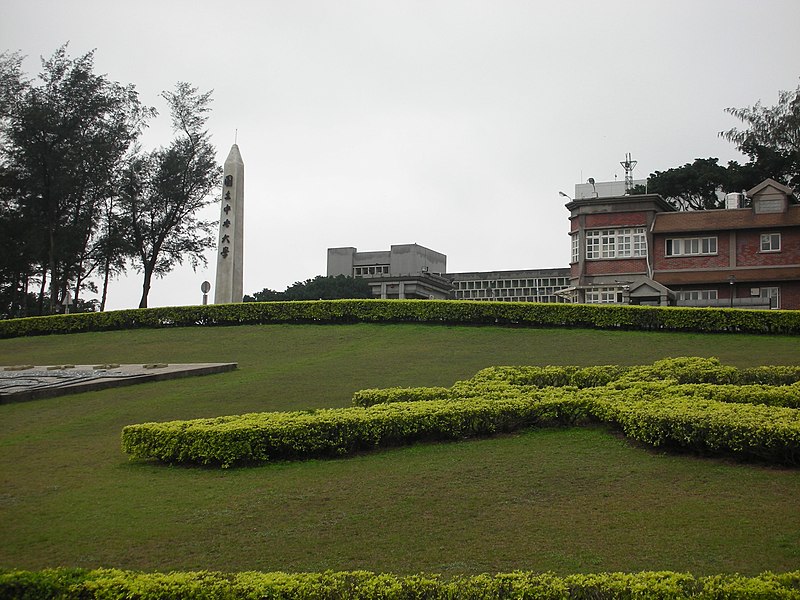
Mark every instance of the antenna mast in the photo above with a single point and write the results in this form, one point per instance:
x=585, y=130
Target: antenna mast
x=628, y=165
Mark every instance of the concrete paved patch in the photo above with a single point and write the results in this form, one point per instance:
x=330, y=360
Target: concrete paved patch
x=29, y=382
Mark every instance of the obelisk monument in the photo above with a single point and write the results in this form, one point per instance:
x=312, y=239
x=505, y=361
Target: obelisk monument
x=230, y=248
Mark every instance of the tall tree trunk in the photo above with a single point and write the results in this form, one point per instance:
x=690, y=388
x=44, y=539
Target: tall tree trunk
x=78, y=285
x=106, y=274
x=148, y=275
x=16, y=278
x=53, y=279
x=25, y=296
x=41, y=291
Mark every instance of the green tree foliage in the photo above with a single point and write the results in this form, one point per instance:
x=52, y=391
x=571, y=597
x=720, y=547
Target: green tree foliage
x=79, y=199
x=63, y=136
x=320, y=288
x=690, y=187
x=163, y=190
x=771, y=137
x=265, y=295
x=771, y=141
x=700, y=185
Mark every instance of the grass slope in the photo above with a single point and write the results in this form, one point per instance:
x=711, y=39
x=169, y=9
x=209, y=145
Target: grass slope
x=575, y=500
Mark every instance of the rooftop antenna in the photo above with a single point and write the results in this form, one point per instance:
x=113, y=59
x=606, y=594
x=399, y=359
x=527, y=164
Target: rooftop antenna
x=235, y=135
x=628, y=165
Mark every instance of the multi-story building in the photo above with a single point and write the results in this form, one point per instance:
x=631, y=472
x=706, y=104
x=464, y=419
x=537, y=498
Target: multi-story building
x=404, y=271
x=610, y=260
x=631, y=249
x=638, y=249
x=413, y=271
x=733, y=257
x=528, y=285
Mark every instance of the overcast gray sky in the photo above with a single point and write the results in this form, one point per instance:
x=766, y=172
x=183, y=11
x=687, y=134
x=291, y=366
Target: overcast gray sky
x=449, y=123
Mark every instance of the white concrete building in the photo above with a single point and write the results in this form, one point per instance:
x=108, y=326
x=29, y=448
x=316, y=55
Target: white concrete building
x=404, y=271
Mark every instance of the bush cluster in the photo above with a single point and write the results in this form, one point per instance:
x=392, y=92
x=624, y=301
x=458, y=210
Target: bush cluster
x=262, y=437
x=365, y=585
x=687, y=376
x=683, y=403
x=527, y=314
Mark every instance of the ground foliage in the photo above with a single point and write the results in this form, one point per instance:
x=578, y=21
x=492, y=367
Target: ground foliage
x=365, y=585
x=449, y=312
x=671, y=404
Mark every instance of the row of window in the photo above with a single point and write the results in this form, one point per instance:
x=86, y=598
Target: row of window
x=698, y=295
x=613, y=295
x=486, y=284
x=371, y=270
x=632, y=243
x=482, y=295
x=616, y=243
x=690, y=246
x=509, y=292
x=604, y=295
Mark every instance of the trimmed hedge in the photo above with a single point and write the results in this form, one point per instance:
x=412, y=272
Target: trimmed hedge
x=707, y=426
x=683, y=369
x=99, y=584
x=461, y=312
x=373, y=396
x=655, y=410
x=773, y=385
x=261, y=437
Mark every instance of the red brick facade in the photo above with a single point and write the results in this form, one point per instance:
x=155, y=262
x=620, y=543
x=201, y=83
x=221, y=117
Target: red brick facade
x=620, y=266
x=616, y=220
x=662, y=262
x=749, y=254
x=735, y=266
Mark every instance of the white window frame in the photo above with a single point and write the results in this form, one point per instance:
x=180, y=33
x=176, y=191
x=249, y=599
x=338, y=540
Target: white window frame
x=774, y=295
x=604, y=295
x=604, y=244
x=693, y=246
x=770, y=242
x=699, y=295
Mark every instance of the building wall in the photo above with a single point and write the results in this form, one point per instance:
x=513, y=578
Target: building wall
x=758, y=277
x=618, y=266
x=748, y=248
x=381, y=257
x=616, y=220
x=790, y=294
x=402, y=259
x=412, y=258
x=721, y=260
x=340, y=261
x=528, y=285
x=603, y=189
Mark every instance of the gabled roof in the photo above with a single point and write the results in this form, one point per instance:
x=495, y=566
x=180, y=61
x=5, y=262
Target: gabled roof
x=725, y=219
x=648, y=288
x=770, y=183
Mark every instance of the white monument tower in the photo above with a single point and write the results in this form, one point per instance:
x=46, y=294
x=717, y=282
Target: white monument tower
x=230, y=249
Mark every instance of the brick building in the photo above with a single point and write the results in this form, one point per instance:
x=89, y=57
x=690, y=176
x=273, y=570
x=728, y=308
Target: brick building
x=640, y=250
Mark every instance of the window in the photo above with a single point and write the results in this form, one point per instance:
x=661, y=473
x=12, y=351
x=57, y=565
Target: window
x=770, y=242
x=373, y=270
x=690, y=246
x=774, y=295
x=604, y=295
x=613, y=243
x=592, y=244
x=698, y=295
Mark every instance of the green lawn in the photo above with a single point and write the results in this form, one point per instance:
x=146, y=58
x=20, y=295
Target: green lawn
x=572, y=500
